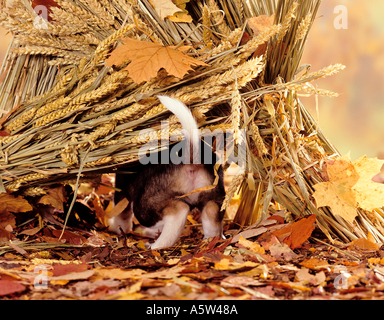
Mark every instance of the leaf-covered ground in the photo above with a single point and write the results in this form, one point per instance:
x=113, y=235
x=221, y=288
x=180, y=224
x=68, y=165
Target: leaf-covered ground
x=95, y=265
x=275, y=260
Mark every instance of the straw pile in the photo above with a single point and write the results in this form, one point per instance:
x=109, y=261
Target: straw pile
x=83, y=117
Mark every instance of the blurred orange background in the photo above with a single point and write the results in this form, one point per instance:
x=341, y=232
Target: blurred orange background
x=353, y=121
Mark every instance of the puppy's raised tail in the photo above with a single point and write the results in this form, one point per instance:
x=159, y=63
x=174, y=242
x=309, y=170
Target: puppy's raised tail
x=181, y=111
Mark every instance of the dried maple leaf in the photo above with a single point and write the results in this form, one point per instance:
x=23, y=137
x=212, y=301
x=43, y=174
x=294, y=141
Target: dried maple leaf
x=147, y=58
x=164, y=8
x=350, y=186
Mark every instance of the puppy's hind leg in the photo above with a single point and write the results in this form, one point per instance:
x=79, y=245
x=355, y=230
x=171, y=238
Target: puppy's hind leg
x=212, y=220
x=175, y=216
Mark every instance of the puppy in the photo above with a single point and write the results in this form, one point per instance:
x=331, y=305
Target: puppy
x=158, y=194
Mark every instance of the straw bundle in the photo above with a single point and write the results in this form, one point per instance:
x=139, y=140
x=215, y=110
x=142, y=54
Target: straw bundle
x=86, y=117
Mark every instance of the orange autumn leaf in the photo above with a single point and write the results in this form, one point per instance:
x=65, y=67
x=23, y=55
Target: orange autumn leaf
x=363, y=244
x=315, y=264
x=147, y=58
x=295, y=234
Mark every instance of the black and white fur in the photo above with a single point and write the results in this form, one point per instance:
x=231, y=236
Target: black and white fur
x=154, y=190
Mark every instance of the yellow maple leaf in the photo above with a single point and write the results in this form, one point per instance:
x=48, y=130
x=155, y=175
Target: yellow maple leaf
x=369, y=194
x=350, y=186
x=147, y=58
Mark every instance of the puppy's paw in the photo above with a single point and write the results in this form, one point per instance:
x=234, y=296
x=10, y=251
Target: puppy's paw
x=116, y=224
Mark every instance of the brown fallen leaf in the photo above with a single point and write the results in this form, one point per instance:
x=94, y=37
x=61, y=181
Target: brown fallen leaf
x=74, y=276
x=295, y=234
x=252, y=246
x=249, y=234
x=31, y=232
x=9, y=287
x=60, y=270
x=70, y=237
x=282, y=251
x=305, y=277
x=13, y=204
x=118, y=274
x=7, y=219
x=5, y=235
x=147, y=58
x=55, y=197
x=238, y=281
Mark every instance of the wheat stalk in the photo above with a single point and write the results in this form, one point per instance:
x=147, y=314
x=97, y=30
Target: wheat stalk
x=99, y=109
x=218, y=18
x=287, y=21
x=207, y=33
x=233, y=187
x=236, y=106
x=85, y=15
x=259, y=142
x=303, y=28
